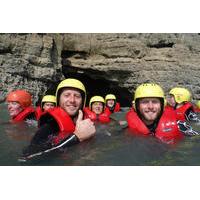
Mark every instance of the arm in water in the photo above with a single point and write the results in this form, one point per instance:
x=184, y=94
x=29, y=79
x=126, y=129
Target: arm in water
x=120, y=118
x=42, y=141
x=186, y=128
x=192, y=116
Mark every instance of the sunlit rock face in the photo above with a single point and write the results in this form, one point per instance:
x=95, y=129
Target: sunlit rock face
x=106, y=63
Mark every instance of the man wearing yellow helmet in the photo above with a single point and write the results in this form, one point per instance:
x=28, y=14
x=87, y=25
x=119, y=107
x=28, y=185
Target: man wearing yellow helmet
x=180, y=99
x=95, y=111
x=150, y=117
x=111, y=104
x=48, y=102
x=63, y=125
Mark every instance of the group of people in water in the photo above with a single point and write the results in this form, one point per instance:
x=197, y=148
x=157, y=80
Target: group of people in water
x=64, y=119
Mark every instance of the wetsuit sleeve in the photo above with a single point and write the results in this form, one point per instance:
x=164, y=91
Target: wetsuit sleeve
x=42, y=140
x=50, y=129
x=43, y=133
x=192, y=116
x=186, y=129
x=69, y=141
x=31, y=116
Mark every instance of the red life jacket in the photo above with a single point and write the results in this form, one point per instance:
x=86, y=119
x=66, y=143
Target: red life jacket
x=132, y=109
x=22, y=115
x=180, y=112
x=103, y=117
x=167, y=130
x=196, y=110
x=116, y=109
x=64, y=121
x=38, y=112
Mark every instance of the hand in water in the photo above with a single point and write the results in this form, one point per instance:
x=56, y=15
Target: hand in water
x=84, y=128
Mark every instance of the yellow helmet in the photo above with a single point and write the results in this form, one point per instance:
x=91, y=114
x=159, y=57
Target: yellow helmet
x=48, y=98
x=148, y=90
x=180, y=94
x=96, y=99
x=71, y=83
x=198, y=104
x=110, y=96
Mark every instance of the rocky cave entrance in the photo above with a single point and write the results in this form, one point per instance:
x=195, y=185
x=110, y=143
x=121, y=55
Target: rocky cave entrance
x=98, y=86
x=95, y=82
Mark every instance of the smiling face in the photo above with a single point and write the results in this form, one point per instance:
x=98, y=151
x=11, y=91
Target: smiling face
x=70, y=101
x=48, y=105
x=97, y=107
x=110, y=103
x=150, y=109
x=14, y=108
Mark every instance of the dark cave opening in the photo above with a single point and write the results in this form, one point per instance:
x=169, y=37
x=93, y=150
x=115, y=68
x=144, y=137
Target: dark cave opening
x=98, y=86
x=95, y=81
x=161, y=44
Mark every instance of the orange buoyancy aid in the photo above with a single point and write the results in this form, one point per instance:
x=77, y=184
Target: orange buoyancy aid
x=103, y=117
x=167, y=130
x=23, y=114
x=64, y=121
x=38, y=112
x=180, y=112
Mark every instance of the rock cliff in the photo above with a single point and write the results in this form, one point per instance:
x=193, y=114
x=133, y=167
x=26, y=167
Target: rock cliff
x=115, y=62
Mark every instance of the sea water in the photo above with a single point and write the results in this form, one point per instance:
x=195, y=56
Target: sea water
x=113, y=145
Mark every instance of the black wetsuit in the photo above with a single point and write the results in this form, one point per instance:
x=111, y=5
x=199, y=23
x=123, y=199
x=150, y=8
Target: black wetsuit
x=191, y=116
x=31, y=116
x=186, y=128
x=42, y=140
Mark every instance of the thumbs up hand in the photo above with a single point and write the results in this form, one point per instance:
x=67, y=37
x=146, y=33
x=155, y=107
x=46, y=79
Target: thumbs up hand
x=84, y=127
x=80, y=116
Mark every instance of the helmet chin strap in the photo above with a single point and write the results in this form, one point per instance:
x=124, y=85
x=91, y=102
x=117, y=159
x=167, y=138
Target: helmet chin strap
x=177, y=105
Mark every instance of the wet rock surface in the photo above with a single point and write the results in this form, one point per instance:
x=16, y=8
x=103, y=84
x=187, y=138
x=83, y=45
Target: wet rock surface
x=115, y=62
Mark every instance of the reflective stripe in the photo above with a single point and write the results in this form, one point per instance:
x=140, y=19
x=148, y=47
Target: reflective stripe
x=48, y=150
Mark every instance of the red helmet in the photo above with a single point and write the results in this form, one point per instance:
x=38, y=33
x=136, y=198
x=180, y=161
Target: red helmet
x=21, y=96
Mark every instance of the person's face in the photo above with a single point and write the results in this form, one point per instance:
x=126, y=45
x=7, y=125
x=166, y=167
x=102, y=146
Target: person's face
x=70, y=101
x=97, y=107
x=149, y=109
x=171, y=100
x=48, y=105
x=14, y=108
x=110, y=103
